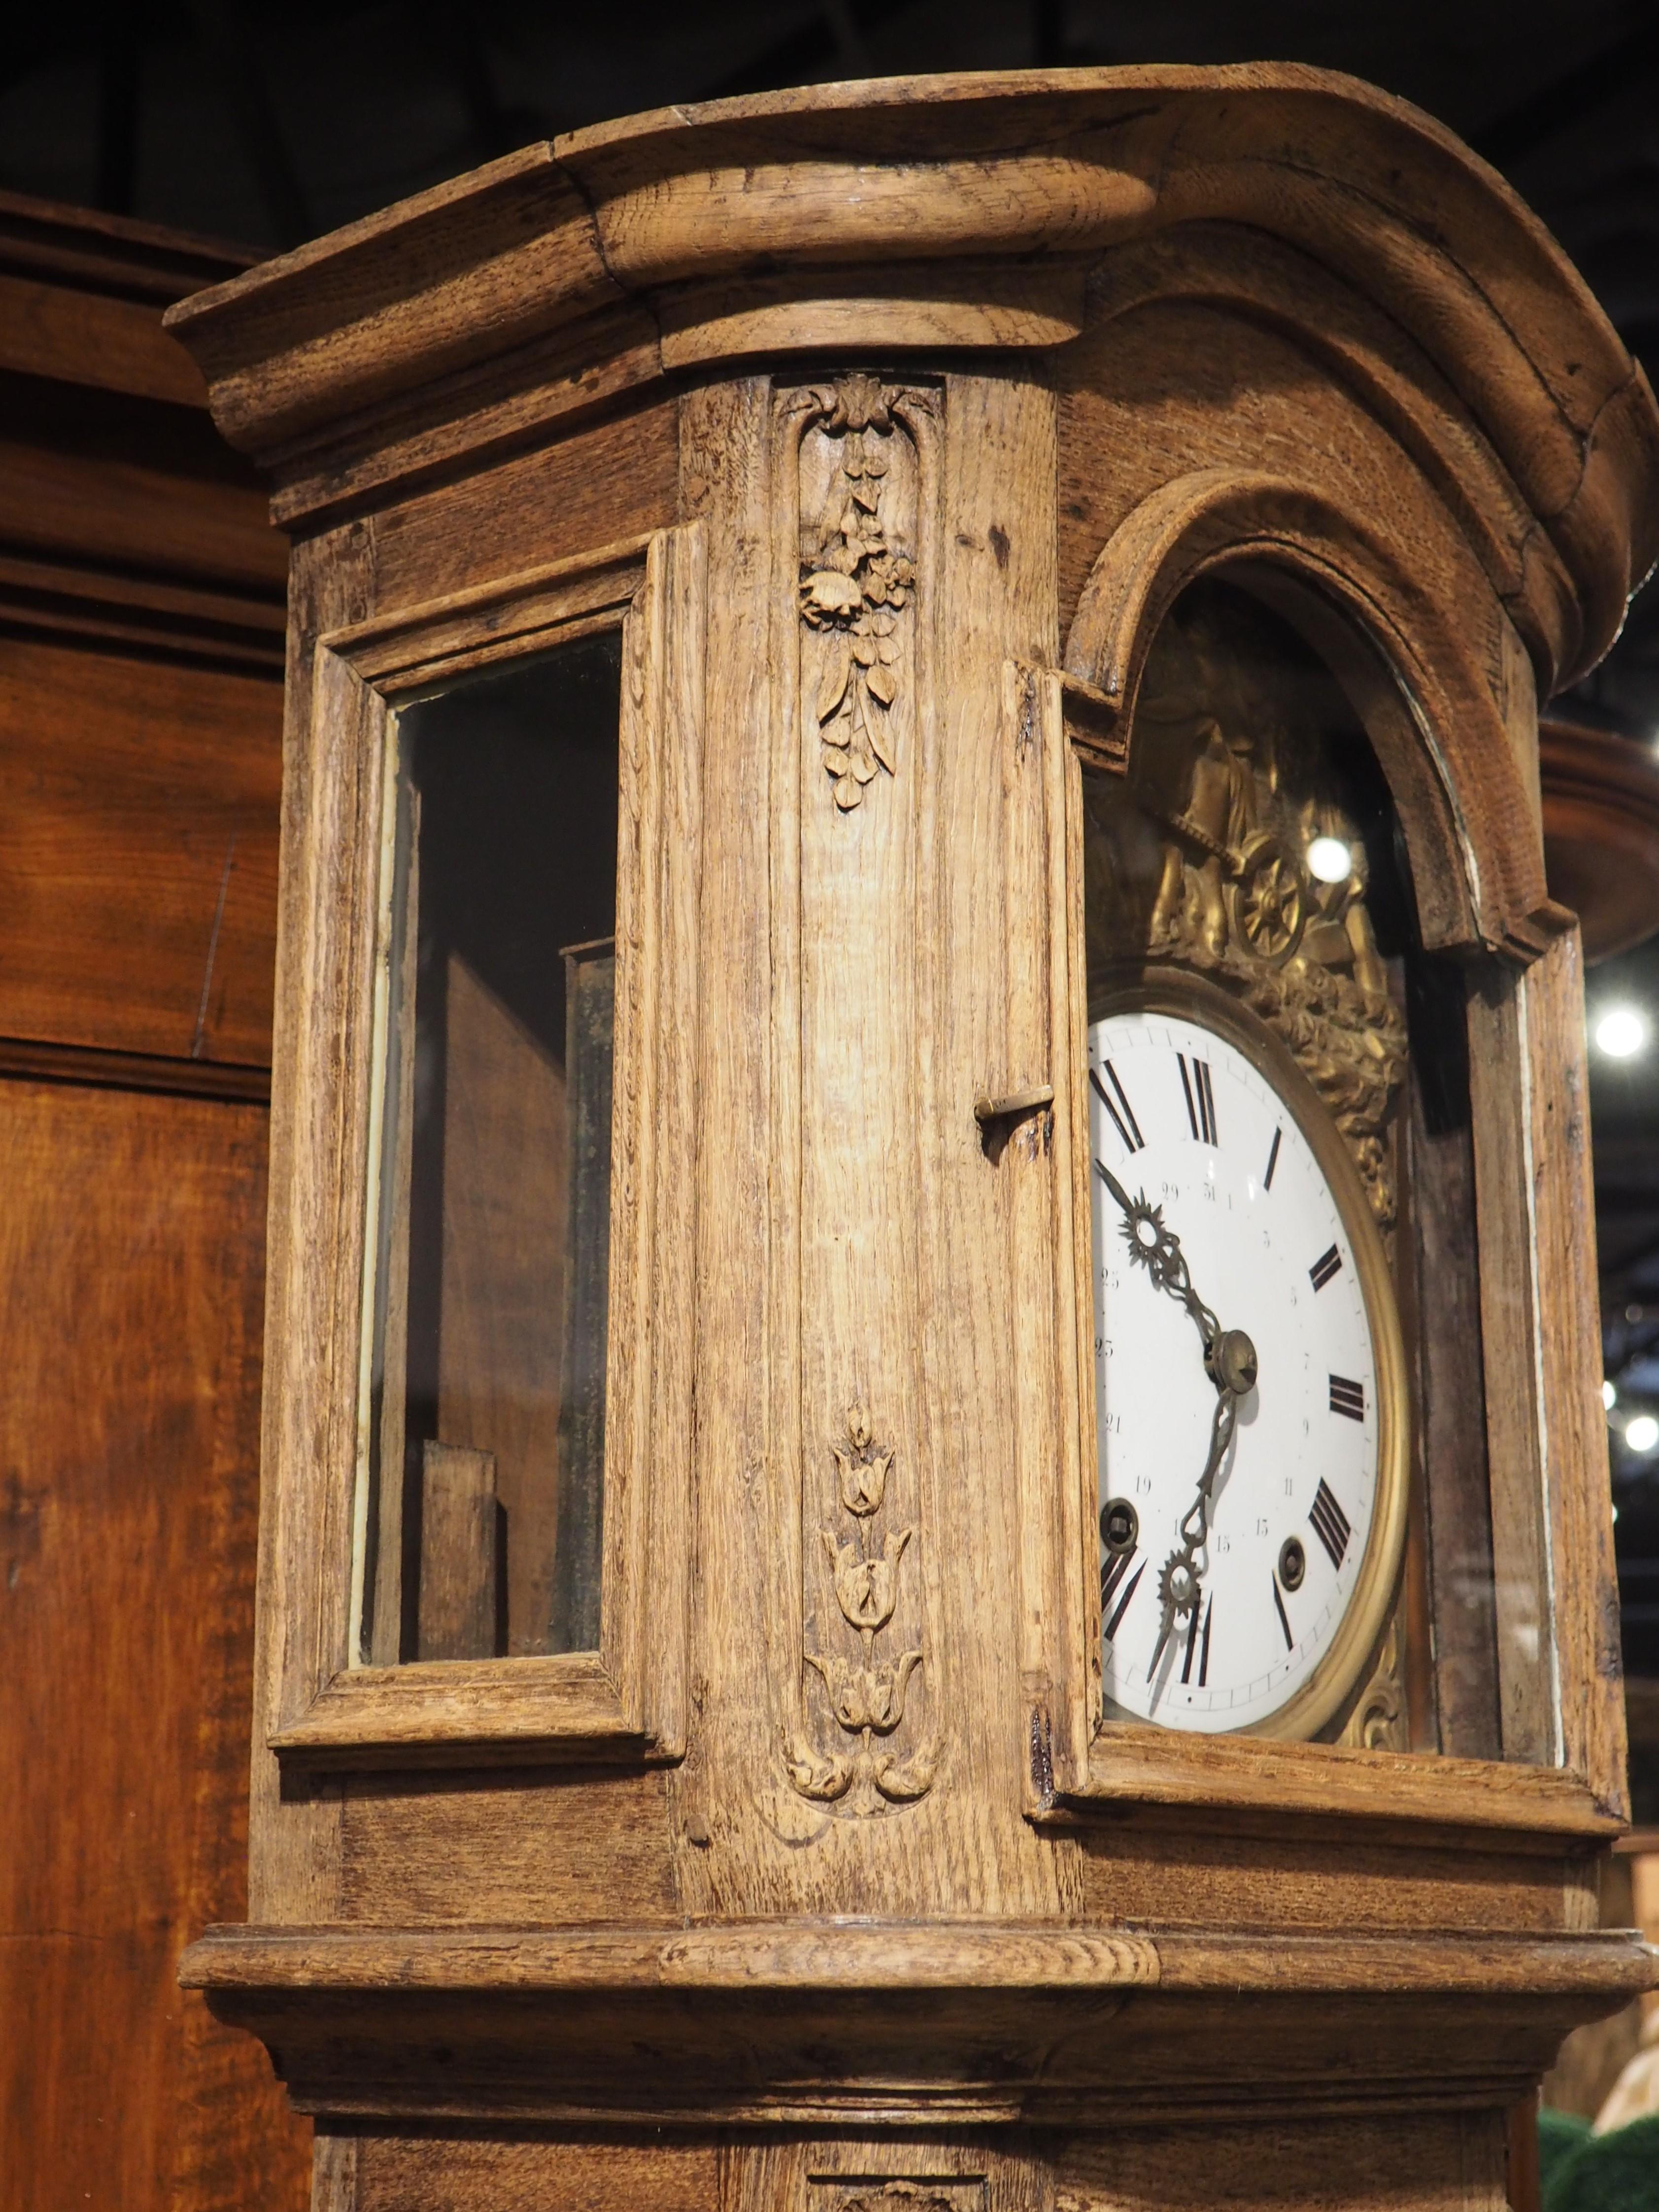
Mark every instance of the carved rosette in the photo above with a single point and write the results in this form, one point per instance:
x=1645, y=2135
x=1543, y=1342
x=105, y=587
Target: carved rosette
x=858, y=515
x=865, y=1690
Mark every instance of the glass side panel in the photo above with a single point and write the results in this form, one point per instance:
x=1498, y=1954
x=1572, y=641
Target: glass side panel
x=486, y=1411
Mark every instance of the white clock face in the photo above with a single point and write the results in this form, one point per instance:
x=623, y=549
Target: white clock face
x=1181, y=1118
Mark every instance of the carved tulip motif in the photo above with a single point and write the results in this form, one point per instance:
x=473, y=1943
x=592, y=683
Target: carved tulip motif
x=863, y=1481
x=867, y=1695
x=866, y=1589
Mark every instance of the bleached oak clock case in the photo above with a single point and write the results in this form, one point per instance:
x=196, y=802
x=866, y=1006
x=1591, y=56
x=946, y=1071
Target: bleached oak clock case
x=886, y=430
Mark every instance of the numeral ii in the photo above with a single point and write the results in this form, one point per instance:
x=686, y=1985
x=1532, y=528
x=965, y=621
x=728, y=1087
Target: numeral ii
x=1327, y=1265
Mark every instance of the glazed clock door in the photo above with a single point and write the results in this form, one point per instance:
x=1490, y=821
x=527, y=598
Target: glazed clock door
x=1245, y=924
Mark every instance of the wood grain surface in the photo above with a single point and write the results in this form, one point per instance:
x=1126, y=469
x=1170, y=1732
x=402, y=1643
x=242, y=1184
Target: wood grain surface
x=135, y=1224
x=141, y=818
x=141, y=628
x=826, y=1845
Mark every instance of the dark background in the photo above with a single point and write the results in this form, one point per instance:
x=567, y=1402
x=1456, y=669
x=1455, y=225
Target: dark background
x=267, y=123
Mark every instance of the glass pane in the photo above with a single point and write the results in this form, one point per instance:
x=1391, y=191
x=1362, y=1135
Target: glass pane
x=486, y=1391
x=1249, y=943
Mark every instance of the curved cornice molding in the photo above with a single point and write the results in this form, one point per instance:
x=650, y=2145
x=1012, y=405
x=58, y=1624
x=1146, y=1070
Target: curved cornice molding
x=953, y=213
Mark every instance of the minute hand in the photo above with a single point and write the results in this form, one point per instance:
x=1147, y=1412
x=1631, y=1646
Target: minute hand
x=1179, y=1585
x=1229, y=1362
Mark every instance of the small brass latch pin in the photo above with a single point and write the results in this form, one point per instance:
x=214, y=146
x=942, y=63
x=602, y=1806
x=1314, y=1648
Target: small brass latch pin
x=1015, y=1107
x=999, y=1118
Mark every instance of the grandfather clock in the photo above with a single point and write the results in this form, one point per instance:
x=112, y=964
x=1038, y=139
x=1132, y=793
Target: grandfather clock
x=935, y=1516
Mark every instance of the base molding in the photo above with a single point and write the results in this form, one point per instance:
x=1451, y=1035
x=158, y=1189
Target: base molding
x=865, y=2025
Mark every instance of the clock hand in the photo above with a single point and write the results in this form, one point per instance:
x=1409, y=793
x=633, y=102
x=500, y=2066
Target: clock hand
x=1229, y=1356
x=1230, y=1361
x=1154, y=1246
x=1179, y=1585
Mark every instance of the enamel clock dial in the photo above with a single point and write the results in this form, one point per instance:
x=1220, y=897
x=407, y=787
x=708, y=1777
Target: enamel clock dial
x=1248, y=1377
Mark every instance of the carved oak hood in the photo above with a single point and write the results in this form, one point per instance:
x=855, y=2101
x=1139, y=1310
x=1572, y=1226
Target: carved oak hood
x=935, y=1515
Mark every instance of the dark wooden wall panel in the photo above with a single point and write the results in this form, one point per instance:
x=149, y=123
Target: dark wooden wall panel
x=134, y=791
x=132, y=1245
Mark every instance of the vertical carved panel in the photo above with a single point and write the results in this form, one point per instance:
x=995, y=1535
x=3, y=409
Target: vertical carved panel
x=858, y=467
x=855, y=479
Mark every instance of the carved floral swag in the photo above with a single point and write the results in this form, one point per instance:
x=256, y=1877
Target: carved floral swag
x=854, y=583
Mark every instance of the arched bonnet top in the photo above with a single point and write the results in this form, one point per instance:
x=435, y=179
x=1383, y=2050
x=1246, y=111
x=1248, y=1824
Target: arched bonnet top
x=910, y=215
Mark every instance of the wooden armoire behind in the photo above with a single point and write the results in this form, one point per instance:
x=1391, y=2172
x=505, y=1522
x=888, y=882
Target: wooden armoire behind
x=141, y=663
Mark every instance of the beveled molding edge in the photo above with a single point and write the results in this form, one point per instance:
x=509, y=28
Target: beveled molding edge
x=455, y=1712
x=879, y=1958
x=1128, y=1765
x=901, y=2025
x=738, y=1955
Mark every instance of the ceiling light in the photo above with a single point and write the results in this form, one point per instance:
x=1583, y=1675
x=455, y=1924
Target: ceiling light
x=1620, y=1031
x=1609, y=1397
x=1330, y=860
x=1642, y=1434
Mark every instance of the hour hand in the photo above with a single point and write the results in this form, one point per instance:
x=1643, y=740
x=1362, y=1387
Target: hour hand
x=1116, y=1188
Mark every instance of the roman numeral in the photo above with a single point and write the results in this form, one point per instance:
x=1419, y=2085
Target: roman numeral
x=1123, y=1121
x=1283, y=1617
x=1202, y=1643
x=1328, y=1264
x=1330, y=1524
x=1200, y=1099
x=1111, y=1577
x=1272, y=1161
x=1348, y=1398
